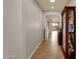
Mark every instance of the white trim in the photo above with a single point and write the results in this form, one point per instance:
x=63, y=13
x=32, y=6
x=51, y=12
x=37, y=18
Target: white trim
x=35, y=49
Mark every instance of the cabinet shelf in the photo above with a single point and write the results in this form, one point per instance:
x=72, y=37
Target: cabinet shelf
x=69, y=30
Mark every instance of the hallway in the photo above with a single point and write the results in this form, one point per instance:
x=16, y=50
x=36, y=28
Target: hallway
x=49, y=49
x=28, y=22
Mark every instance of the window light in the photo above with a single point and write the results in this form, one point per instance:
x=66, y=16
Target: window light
x=52, y=7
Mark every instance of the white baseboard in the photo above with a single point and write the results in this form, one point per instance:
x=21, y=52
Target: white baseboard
x=35, y=49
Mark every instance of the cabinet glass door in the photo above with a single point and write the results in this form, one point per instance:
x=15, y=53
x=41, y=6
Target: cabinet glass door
x=71, y=31
x=64, y=32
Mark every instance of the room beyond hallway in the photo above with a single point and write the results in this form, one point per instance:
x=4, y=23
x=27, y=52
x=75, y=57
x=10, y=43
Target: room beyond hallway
x=49, y=49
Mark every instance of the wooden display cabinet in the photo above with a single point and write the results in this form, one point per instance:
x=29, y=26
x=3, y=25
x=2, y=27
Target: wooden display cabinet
x=69, y=32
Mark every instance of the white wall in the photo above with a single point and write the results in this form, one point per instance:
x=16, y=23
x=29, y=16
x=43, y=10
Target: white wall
x=23, y=28
x=32, y=26
x=12, y=29
x=71, y=3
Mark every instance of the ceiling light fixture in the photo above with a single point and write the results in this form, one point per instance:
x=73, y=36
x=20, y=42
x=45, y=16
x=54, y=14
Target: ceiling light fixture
x=52, y=0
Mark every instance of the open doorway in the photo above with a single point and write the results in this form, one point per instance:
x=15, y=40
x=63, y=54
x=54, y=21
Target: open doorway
x=55, y=26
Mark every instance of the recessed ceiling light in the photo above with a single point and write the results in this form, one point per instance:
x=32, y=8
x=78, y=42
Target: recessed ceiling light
x=52, y=7
x=52, y=0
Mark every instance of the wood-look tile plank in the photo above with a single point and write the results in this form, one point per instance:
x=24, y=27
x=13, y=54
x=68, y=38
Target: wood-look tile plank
x=49, y=49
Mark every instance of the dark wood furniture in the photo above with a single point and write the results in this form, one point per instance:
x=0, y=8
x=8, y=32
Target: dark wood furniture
x=60, y=38
x=69, y=32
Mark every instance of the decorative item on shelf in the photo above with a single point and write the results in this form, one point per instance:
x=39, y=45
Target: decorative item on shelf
x=71, y=43
x=71, y=28
x=71, y=21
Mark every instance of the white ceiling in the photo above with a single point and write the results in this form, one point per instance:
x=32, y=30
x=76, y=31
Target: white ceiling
x=46, y=5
